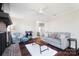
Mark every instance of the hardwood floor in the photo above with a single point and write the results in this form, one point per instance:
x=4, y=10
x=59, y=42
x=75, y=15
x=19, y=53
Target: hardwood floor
x=24, y=51
x=66, y=52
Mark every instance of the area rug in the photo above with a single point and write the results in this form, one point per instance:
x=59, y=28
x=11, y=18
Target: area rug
x=12, y=50
x=34, y=50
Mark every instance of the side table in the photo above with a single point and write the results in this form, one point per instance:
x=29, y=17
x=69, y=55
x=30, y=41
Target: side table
x=70, y=40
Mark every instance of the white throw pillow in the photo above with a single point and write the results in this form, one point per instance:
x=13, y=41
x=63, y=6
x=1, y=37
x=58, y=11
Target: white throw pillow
x=62, y=36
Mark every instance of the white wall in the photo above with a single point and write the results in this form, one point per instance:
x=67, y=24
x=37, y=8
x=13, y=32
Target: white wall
x=65, y=23
x=27, y=22
x=22, y=25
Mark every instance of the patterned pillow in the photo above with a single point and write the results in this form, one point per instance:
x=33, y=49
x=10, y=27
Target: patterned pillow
x=54, y=35
x=62, y=36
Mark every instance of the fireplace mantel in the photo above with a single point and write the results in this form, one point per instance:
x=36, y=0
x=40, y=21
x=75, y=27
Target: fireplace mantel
x=4, y=17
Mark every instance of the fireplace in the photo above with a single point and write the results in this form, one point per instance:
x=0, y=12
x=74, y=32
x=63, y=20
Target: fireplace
x=4, y=22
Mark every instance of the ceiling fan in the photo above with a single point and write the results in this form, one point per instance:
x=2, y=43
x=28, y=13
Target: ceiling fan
x=40, y=10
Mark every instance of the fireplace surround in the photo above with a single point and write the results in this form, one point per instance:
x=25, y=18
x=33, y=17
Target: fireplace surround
x=4, y=22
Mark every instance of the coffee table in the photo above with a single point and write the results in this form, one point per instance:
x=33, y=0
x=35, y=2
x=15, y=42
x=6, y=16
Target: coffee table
x=41, y=43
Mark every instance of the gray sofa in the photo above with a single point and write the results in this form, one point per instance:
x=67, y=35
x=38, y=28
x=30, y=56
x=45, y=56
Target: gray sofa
x=58, y=39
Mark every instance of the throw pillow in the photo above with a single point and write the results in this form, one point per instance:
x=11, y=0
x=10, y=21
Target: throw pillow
x=62, y=36
x=54, y=35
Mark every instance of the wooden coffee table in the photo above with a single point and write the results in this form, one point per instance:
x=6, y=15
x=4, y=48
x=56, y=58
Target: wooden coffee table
x=41, y=43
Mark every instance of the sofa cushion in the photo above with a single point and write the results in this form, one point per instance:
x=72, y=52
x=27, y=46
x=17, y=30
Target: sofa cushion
x=57, y=41
x=50, y=40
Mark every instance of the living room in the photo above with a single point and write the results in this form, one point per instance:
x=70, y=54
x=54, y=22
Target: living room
x=43, y=19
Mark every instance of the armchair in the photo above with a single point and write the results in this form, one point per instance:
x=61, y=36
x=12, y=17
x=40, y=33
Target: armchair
x=15, y=37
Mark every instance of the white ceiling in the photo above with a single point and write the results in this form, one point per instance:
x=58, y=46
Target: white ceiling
x=51, y=9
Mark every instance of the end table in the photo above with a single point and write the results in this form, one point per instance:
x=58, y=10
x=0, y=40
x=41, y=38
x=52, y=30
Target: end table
x=75, y=40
